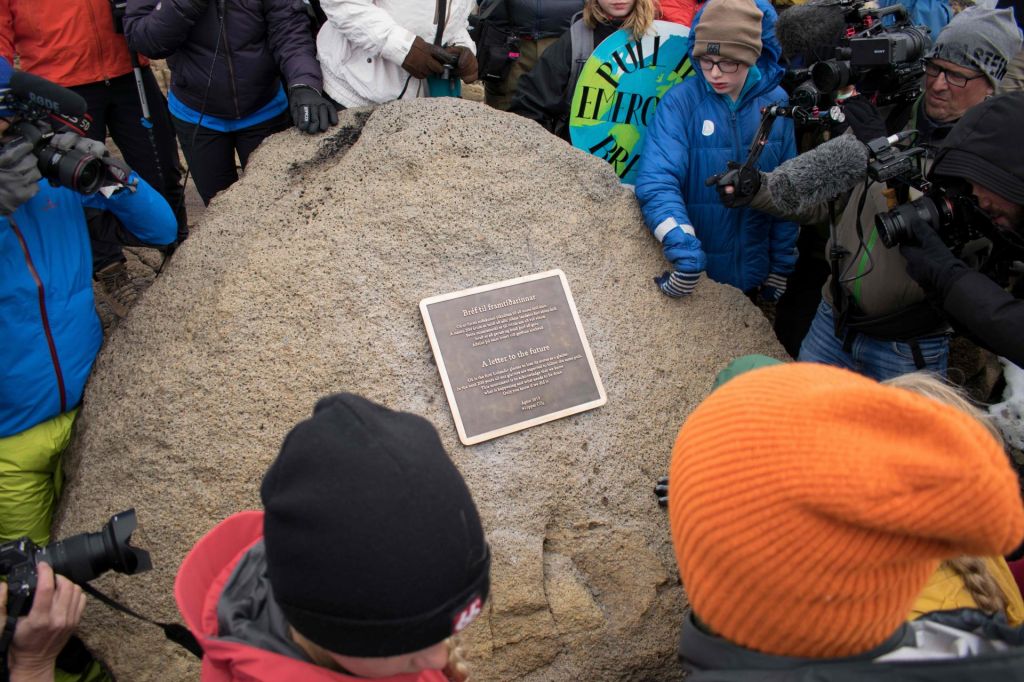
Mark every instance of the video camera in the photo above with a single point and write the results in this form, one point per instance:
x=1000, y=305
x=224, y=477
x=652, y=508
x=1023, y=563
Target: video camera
x=879, y=51
x=37, y=106
x=80, y=558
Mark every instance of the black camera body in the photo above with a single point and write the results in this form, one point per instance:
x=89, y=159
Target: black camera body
x=34, y=118
x=80, y=558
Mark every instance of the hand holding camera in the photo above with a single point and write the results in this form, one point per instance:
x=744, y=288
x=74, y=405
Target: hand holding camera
x=116, y=172
x=19, y=175
x=39, y=637
x=930, y=263
x=465, y=62
x=425, y=59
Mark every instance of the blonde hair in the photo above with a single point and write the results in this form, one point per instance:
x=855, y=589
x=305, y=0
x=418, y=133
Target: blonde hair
x=458, y=669
x=639, y=20
x=972, y=570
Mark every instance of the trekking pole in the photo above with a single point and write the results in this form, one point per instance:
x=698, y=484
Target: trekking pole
x=147, y=120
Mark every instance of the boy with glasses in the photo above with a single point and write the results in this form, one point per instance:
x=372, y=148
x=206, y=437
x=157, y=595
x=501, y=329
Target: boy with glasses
x=700, y=126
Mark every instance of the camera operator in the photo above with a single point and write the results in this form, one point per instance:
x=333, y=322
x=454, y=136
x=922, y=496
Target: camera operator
x=983, y=149
x=48, y=322
x=40, y=636
x=874, y=318
x=79, y=45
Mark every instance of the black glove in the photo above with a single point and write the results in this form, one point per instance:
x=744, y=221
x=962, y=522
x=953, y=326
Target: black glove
x=117, y=171
x=19, y=176
x=424, y=59
x=930, y=262
x=311, y=112
x=737, y=186
x=466, y=68
x=865, y=119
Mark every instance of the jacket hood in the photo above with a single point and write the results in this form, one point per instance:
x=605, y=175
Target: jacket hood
x=771, y=50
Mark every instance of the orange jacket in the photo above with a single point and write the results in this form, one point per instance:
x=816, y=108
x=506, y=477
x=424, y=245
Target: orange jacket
x=70, y=42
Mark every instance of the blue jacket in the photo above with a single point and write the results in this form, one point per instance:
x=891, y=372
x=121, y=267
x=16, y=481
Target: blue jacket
x=695, y=133
x=51, y=333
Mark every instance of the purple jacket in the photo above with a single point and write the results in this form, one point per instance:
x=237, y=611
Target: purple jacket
x=256, y=42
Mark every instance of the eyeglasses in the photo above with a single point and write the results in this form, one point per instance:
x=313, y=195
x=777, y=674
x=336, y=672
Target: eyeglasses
x=724, y=65
x=952, y=78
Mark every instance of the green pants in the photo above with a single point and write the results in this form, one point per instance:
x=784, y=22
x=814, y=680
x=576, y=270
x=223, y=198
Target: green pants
x=31, y=478
x=499, y=95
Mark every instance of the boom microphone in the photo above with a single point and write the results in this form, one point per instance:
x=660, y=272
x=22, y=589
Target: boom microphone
x=819, y=175
x=47, y=94
x=811, y=30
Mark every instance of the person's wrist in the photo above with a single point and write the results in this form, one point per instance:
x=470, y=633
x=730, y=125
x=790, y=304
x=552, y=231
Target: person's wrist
x=27, y=668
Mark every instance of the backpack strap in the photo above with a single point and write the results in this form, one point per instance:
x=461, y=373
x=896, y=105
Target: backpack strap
x=582, y=39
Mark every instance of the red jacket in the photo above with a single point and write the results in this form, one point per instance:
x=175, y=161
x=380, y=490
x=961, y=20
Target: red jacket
x=197, y=590
x=680, y=11
x=70, y=42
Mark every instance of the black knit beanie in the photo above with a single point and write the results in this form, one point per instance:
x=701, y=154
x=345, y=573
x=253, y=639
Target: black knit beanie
x=374, y=546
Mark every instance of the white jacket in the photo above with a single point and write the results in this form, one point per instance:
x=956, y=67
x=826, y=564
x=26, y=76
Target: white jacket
x=364, y=42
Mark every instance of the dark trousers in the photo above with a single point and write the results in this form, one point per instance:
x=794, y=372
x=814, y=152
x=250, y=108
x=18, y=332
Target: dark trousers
x=153, y=153
x=211, y=153
x=798, y=306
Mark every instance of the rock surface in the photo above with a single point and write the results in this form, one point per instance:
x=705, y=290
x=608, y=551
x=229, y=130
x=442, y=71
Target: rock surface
x=304, y=279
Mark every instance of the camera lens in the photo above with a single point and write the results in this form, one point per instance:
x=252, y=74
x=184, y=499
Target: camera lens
x=894, y=227
x=83, y=557
x=831, y=75
x=73, y=169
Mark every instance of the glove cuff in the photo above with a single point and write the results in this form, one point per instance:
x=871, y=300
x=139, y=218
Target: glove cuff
x=677, y=284
x=776, y=281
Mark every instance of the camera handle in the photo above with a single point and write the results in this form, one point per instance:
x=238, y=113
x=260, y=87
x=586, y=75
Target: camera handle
x=15, y=604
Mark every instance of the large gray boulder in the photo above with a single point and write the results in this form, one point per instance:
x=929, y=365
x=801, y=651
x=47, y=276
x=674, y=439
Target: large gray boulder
x=304, y=278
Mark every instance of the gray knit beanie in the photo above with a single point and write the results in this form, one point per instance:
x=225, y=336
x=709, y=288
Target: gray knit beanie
x=985, y=40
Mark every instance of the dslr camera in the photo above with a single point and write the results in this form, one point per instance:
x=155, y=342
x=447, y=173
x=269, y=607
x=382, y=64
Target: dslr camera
x=38, y=106
x=951, y=211
x=948, y=206
x=79, y=558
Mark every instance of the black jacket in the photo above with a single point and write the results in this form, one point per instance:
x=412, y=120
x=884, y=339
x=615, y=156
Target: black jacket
x=709, y=658
x=534, y=18
x=543, y=94
x=257, y=41
x=990, y=316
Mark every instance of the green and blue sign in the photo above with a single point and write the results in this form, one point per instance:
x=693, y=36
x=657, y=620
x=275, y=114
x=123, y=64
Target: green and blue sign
x=620, y=87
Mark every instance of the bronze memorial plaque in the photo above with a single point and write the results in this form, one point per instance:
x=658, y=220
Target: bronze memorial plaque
x=511, y=355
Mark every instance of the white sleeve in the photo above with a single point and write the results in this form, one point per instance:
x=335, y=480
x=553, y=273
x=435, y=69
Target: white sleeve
x=457, y=28
x=370, y=28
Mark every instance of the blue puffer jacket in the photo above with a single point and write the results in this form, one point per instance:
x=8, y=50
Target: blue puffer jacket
x=51, y=333
x=695, y=133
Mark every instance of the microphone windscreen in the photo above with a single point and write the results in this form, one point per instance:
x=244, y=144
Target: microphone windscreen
x=47, y=94
x=819, y=175
x=811, y=29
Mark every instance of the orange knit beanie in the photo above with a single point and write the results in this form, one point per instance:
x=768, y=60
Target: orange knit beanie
x=809, y=505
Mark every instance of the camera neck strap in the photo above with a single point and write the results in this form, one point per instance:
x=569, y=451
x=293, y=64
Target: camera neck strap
x=175, y=632
x=442, y=19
